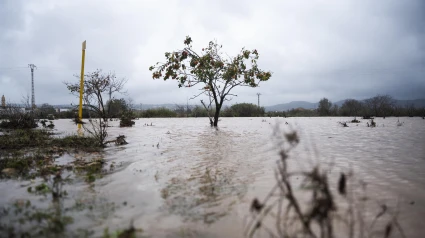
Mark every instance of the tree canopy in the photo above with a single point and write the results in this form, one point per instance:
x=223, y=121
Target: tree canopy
x=216, y=74
x=351, y=107
x=116, y=107
x=324, y=108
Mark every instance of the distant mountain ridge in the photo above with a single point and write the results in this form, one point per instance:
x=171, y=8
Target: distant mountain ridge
x=291, y=105
x=417, y=103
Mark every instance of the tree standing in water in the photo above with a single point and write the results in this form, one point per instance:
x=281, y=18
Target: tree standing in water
x=97, y=86
x=217, y=75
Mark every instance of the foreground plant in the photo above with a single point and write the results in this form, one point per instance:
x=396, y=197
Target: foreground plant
x=284, y=212
x=216, y=74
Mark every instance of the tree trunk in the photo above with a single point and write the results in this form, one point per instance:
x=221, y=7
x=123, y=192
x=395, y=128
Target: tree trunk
x=215, y=119
x=216, y=115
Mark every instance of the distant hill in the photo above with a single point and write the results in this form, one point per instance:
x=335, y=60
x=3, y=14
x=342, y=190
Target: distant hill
x=417, y=103
x=291, y=105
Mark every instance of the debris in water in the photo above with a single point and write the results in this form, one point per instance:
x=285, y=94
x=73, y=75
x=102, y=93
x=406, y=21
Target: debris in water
x=256, y=205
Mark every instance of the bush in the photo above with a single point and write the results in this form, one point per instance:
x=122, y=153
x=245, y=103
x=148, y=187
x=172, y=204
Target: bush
x=15, y=118
x=159, y=112
x=126, y=119
x=243, y=110
x=20, y=139
x=199, y=111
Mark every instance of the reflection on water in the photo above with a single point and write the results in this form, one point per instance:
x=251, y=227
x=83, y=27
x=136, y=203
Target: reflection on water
x=179, y=177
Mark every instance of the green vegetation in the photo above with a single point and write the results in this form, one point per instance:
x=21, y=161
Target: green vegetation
x=325, y=107
x=243, y=110
x=17, y=139
x=116, y=107
x=198, y=111
x=127, y=118
x=76, y=142
x=22, y=139
x=32, y=153
x=25, y=219
x=158, y=112
x=48, y=222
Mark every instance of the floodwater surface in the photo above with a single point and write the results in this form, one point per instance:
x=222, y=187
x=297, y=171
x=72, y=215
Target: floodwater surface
x=181, y=178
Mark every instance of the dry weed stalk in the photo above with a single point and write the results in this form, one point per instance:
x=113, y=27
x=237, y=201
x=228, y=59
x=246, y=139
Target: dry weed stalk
x=284, y=212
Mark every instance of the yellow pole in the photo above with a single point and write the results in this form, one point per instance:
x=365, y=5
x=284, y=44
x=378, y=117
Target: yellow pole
x=80, y=111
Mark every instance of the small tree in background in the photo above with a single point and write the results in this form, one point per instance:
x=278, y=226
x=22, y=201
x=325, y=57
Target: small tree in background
x=380, y=105
x=127, y=114
x=351, y=107
x=244, y=110
x=324, y=108
x=217, y=75
x=116, y=107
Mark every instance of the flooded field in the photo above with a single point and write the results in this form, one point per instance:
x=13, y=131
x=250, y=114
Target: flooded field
x=181, y=178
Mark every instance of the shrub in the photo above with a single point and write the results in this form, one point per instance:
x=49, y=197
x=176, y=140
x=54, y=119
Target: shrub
x=15, y=118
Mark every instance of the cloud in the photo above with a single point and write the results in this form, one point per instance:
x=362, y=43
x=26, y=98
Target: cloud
x=333, y=49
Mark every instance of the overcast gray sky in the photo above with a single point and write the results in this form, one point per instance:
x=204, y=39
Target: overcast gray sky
x=336, y=49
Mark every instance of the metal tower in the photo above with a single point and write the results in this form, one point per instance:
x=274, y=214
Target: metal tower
x=32, y=67
x=258, y=94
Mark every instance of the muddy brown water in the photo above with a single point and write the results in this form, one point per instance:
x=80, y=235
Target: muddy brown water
x=180, y=178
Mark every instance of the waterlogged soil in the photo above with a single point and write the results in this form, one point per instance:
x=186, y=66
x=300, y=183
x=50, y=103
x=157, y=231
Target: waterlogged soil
x=181, y=178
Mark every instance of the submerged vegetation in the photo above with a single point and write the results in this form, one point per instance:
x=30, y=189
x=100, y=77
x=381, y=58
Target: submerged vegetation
x=127, y=118
x=32, y=155
x=40, y=157
x=40, y=138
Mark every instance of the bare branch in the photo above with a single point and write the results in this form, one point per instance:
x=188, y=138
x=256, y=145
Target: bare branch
x=203, y=92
